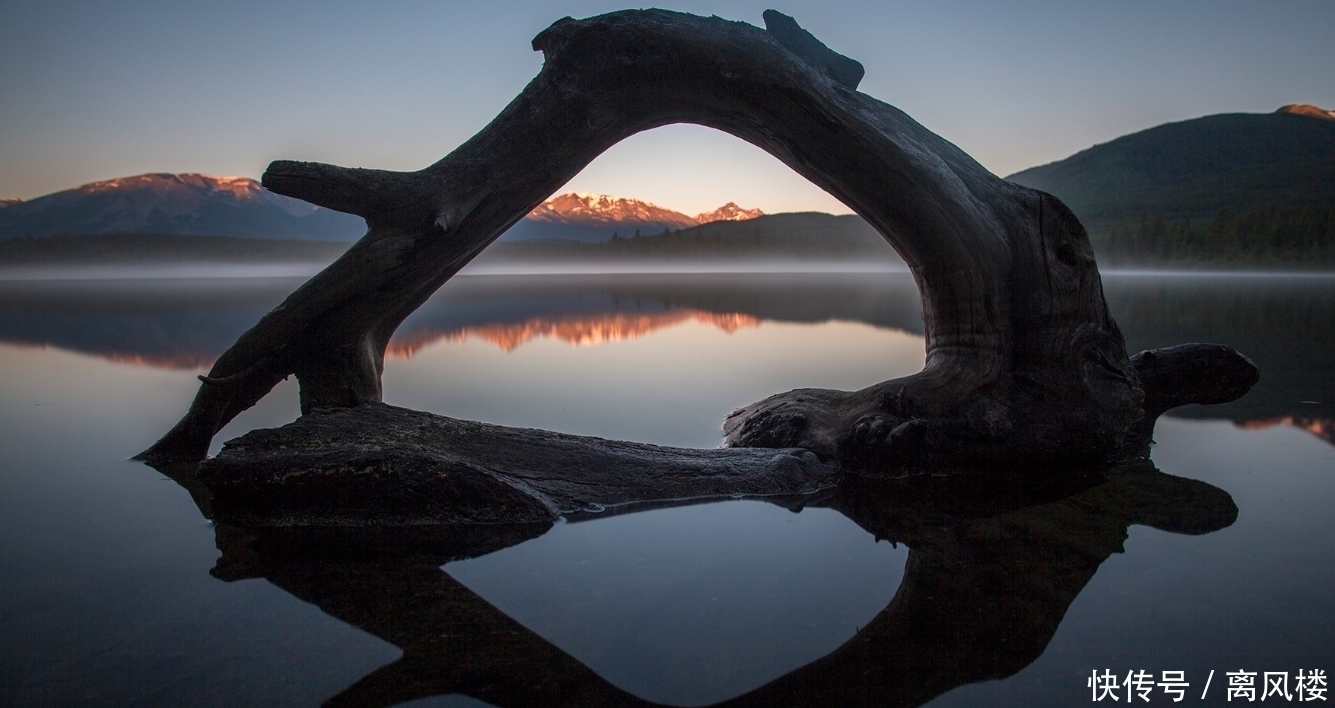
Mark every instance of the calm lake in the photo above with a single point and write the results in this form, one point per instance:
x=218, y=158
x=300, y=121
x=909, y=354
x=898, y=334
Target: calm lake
x=1219, y=557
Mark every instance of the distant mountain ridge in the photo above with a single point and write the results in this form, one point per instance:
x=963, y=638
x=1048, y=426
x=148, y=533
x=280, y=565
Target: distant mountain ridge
x=1195, y=168
x=1230, y=190
x=1222, y=190
x=159, y=218
x=185, y=204
x=202, y=205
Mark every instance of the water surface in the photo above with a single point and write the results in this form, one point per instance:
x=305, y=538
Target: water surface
x=120, y=593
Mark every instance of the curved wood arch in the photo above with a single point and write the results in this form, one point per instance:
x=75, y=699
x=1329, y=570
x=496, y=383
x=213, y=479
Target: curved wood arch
x=1024, y=361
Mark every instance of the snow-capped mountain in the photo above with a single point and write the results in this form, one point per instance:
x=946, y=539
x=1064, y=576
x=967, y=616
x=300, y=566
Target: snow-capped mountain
x=603, y=209
x=728, y=212
x=576, y=216
x=184, y=204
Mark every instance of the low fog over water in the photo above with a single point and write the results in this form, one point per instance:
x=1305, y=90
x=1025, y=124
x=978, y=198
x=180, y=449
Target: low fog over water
x=195, y=269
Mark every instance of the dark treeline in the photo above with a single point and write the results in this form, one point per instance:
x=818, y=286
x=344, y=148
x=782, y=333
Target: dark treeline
x=704, y=242
x=1294, y=238
x=727, y=241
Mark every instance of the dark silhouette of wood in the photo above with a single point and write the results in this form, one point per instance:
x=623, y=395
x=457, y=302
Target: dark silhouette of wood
x=377, y=464
x=1024, y=362
x=993, y=566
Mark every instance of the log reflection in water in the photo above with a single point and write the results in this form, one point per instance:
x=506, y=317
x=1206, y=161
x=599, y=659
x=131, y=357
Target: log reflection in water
x=994, y=563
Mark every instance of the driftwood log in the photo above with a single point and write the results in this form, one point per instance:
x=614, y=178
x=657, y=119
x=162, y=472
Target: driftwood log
x=1024, y=362
x=377, y=464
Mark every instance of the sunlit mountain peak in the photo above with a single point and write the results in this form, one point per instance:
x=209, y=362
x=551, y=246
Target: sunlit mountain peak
x=1307, y=109
x=242, y=187
x=728, y=212
x=187, y=185
x=606, y=209
x=602, y=208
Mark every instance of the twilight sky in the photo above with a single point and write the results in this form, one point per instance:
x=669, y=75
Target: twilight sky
x=95, y=90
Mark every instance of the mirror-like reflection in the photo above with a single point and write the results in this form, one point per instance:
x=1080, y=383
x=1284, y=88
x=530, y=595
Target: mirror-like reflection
x=993, y=565
x=1285, y=324
x=579, y=330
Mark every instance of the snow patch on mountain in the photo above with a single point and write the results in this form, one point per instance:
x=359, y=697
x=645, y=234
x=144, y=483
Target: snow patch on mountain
x=574, y=207
x=728, y=212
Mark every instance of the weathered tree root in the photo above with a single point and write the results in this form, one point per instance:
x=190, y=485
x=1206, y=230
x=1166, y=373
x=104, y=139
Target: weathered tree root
x=1024, y=361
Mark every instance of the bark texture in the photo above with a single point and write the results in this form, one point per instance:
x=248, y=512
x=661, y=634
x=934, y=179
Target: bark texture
x=377, y=464
x=1024, y=362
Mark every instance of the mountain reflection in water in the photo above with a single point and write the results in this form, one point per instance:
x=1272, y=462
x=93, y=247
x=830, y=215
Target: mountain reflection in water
x=1323, y=428
x=993, y=566
x=1285, y=324
x=577, y=330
